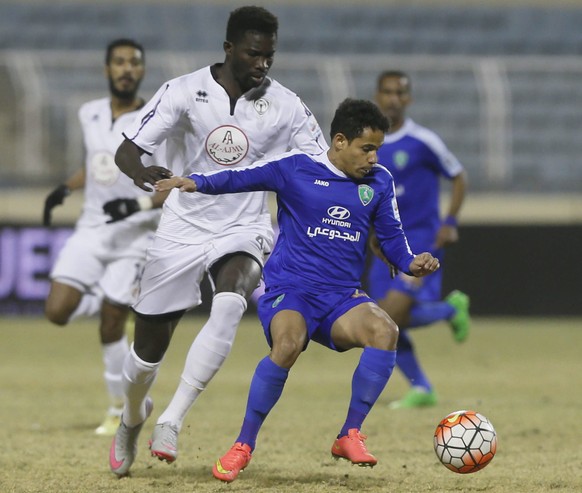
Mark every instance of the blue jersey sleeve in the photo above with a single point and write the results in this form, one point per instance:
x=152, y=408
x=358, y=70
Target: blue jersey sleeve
x=390, y=234
x=269, y=176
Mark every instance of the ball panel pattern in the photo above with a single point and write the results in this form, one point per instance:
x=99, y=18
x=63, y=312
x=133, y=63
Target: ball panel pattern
x=465, y=441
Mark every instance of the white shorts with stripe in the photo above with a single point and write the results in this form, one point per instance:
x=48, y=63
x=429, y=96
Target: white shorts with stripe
x=173, y=271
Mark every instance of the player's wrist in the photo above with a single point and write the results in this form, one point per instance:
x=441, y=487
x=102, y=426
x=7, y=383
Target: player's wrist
x=145, y=203
x=450, y=221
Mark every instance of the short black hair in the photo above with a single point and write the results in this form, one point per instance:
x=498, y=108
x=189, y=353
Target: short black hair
x=116, y=43
x=352, y=116
x=250, y=18
x=394, y=73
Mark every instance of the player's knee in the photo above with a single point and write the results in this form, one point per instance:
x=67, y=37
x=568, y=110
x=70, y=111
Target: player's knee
x=153, y=334
x=286, y=350
x=56, y=314
x=111, y=332
x=381, y=333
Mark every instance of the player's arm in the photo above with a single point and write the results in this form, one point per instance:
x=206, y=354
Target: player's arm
x=393, y=243
x=128, y=160
x=374, y=246
x=267, y=176
x=448, y=232
x=148, y=132
x=119, y=209
x=394, y=250
x=58, y=195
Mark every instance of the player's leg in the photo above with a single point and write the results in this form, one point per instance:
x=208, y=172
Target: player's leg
x=367, y=326
x=234, y=275
x=288, y=335
x=125, y=258
x=115, y=348
x=400, y=303
x=421, y=393
x=170, y=269
x=151, y=340
x=236, y=278
x=62, y=301
x=429, y=308
x=119, y=285
x=408, y=302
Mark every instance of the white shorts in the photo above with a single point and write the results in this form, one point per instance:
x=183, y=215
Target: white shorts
x=110, y=256
x=173, y=271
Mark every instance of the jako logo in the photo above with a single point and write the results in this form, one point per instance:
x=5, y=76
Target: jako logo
x=338, y=212
x=321, y=182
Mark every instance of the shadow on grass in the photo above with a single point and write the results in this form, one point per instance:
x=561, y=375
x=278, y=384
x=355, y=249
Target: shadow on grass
x=267, y=478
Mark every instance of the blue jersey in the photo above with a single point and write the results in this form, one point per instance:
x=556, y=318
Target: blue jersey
x=324, y=218
x=417, y=159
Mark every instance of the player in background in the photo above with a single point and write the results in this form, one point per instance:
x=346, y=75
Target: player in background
x=226, y=115
x=417, y=159
x=99, y=266
x=326, y=205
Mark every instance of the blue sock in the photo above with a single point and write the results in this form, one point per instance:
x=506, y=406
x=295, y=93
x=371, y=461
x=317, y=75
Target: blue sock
x=426, y=313
x=370, y=378
x=266, y=388
x=408, y=364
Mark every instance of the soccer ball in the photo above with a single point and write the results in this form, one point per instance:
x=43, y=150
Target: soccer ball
x=465, y=441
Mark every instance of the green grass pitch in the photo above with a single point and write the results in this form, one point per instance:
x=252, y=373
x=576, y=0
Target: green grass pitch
x=525, y=375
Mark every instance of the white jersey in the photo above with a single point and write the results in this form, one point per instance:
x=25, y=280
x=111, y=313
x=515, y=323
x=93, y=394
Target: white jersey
x=103, y=179
x=204, y=131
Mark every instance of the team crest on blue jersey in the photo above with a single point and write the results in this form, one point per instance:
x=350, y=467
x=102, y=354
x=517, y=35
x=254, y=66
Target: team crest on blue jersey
x=366, y=194
x=401, y=159
x=278, y=300
x=261, y=106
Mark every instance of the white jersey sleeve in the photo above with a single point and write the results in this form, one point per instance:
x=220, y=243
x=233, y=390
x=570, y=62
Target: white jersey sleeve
x=159, y=117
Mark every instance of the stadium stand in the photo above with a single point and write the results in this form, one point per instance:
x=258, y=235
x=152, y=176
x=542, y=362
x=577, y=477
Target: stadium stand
x=504, y=95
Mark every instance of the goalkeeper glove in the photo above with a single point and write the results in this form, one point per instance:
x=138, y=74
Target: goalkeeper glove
x=119, y=209
x=56, y=197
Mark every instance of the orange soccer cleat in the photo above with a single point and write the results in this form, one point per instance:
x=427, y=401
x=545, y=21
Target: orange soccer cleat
x=351, y=447
x=234, y=461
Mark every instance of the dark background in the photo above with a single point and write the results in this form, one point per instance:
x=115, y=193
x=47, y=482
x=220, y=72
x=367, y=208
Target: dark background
x=518, y=270
x=507, y=270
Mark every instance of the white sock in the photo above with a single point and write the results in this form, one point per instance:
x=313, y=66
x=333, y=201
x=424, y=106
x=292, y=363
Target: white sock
x=206, y=355
x=114, y=354
x=89, y=305
x=138, y=377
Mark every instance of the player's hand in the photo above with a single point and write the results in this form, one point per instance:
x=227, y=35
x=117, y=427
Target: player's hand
x=181, y=182
x=119, y=209
x=423, y=264
x=446, y=235
x=56, y=197
x=150, y=174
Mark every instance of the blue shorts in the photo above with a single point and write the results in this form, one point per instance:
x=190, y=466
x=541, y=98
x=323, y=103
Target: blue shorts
x=319, y=309
x=379, y=283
